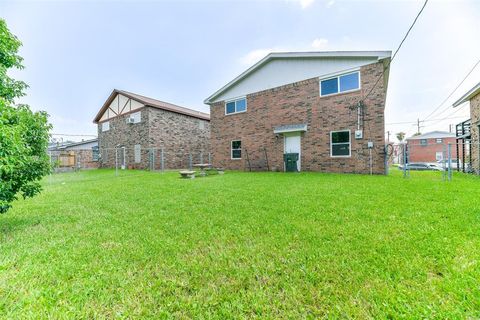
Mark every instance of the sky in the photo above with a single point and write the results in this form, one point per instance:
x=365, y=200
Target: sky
x=77, y=52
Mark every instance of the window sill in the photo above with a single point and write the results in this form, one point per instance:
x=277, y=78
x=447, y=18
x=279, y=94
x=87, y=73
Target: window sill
x=339, y=93
x=234, y=113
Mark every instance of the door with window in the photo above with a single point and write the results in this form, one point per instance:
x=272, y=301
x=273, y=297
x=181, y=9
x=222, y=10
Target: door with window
x=292, y=144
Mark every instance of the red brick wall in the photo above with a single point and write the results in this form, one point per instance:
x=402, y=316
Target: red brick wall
x=427, y=153
x=297, y=103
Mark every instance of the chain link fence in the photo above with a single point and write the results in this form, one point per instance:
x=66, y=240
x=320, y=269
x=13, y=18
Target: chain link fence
x=438, y=157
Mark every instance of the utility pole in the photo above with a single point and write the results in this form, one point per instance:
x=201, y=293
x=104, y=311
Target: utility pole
x=388, y=136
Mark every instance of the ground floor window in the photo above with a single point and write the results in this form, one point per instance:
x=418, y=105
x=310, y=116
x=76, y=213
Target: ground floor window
x=340, y=143
x=95, y=153
x=236, y=149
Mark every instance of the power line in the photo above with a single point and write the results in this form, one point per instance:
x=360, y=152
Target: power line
x=455, y=111
x=398, y=49
x=73, y=135
x=456, y=88
x=415, y=122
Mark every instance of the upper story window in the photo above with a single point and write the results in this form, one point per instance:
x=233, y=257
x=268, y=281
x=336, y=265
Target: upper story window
x=236, y=106
x=137, y=117
x=423, y=142
x=343, y=83
x=439, y=140
x=340, y=143
x=105, y=126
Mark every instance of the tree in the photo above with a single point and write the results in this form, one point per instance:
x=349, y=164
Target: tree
x=401, y=136
x=23, y=133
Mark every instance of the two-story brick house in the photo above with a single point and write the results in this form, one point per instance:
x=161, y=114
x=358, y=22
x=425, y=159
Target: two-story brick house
x=325, y=107
x=143, y=133
x=432, y=147
x=468, y=132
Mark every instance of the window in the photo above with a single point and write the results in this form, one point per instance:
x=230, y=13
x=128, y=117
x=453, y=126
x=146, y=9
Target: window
x=105, y=126
x=201, y=124
x=340, y=143
x=236, y=106
x=343, y=83
x=423, y=142
x=439, y=140
x=137, y=150
x=236, y=149
x=137, y=117
x=439, y=155
x=95, y=153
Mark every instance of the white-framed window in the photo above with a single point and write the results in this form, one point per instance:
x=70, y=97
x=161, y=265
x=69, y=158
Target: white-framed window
x=439, y=155
x=340, y=143
x=136, y=116
x=236, y=106
x=439, y=140
x=137, y=152
x=236, y=149
x=423, y=142
x=341, y=83
x=106, y=126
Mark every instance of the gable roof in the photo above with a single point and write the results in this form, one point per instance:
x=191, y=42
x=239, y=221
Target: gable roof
x=379, y=55
x=433, y=135
x=467, y=96
x=150, y=102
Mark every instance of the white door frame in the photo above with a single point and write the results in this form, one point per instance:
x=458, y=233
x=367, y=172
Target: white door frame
x=293, y=134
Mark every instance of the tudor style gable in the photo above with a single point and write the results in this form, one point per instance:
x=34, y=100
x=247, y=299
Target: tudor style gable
x=118, y=104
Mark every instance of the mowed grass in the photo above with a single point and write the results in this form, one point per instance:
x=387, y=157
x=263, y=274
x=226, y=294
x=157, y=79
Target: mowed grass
x=243, y=245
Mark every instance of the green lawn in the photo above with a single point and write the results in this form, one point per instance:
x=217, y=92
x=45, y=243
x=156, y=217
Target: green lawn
x=243, y=245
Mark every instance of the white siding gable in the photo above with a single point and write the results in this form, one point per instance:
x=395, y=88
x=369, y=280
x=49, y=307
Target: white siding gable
x=281, y=71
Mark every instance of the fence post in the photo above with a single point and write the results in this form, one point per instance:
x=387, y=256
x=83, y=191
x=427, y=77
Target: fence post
x=209, y=158
x=116, y=161
x=449, y=154
x=162, y=160
x=189, y=161
x=444, y=163
x=404, y=149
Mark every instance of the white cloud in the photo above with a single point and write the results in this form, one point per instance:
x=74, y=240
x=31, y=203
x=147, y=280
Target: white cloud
x=303, y=3
x=320, y=44
x=255, y=55
x=330, y=3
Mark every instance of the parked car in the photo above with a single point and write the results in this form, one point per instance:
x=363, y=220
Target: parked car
x=422, y=166
x=444, y=163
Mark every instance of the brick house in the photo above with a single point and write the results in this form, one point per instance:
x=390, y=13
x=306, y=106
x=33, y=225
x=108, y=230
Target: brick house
x=143, y=133
x=70, y=155
x=431, y=146
x=468, y=132
x=325, y=107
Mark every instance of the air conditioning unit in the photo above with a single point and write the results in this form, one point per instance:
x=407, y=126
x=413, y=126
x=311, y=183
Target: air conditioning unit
x=130, y=120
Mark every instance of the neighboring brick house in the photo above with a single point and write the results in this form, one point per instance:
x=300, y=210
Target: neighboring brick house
x=313, y=104
x=431, y=146
x=81, y=155
x=468, y=132
x=142, y=133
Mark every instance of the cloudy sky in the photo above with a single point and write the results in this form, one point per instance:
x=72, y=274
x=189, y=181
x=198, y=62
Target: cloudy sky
x=76, y=52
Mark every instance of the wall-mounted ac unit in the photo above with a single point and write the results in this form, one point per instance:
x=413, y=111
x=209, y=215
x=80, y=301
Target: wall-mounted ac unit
x=130, y=120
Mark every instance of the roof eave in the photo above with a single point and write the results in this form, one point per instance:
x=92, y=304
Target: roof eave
x=467, y=96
